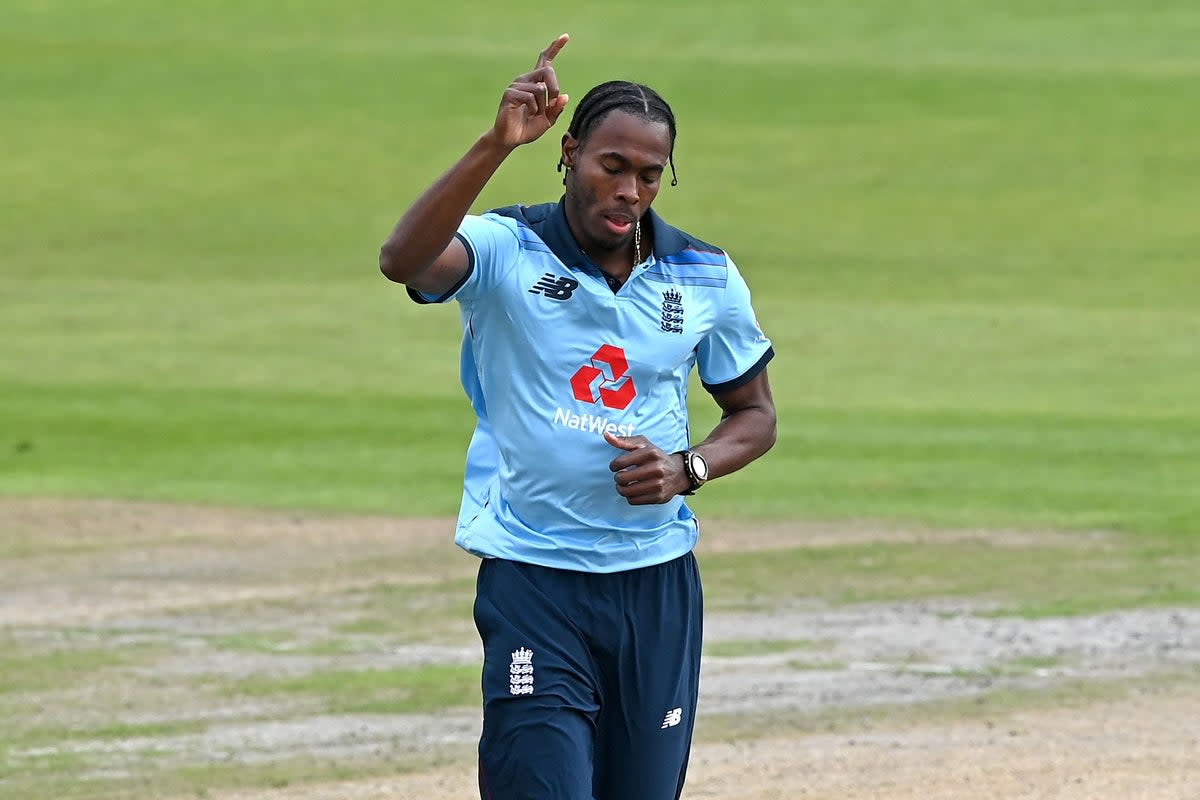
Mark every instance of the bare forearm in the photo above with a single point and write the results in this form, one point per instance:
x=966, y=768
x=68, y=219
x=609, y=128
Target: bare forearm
x=425, y=230
x=421, y=251
x=645, y=474
x=739, y=438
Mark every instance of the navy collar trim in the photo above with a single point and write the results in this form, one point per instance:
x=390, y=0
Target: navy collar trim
x=549, y=222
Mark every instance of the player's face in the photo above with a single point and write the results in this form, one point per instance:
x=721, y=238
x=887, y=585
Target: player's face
x=614, y=177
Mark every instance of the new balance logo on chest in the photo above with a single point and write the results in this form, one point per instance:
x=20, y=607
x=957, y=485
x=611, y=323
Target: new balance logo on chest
x=554, y=287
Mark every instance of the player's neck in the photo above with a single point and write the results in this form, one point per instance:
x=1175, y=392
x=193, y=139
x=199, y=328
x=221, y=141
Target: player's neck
x=620, y=263
x=617, y=263
x=617, y=268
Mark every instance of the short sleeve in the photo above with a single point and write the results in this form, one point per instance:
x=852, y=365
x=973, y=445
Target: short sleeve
x=735, y=350
x=492, y=251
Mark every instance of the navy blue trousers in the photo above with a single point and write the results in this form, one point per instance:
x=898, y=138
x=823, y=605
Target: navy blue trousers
x=590, y=680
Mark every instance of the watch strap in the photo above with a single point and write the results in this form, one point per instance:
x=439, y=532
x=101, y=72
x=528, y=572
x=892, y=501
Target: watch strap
x=694, y=482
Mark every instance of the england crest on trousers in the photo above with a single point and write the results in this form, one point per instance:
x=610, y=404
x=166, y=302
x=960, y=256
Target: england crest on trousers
x=520, y=672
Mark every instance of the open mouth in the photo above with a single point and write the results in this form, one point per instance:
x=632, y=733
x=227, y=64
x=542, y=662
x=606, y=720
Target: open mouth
x=618, y=224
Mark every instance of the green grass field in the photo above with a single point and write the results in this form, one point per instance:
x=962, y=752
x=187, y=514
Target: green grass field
x=970, y=230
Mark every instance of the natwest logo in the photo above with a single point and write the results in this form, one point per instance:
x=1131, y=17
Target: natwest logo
x=591, y=423
x=604, y=379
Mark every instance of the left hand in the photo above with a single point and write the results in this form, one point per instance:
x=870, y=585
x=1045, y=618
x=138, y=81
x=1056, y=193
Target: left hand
x=644, y=473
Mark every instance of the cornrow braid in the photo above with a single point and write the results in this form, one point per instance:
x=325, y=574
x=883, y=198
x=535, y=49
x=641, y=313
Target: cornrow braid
x=635, y=99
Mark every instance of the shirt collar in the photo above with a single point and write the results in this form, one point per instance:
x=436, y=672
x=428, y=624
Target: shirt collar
x=556, y=233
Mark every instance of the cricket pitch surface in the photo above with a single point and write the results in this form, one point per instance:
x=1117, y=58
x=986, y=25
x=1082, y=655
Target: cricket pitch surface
x=152, y=645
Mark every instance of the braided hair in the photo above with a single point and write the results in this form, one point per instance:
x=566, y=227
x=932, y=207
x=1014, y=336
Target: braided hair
x=635, y=99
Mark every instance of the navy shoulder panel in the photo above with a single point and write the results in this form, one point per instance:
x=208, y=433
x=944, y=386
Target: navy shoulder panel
x=673, y=245
x=701, y=246
x=548, y=222
x=532, y=216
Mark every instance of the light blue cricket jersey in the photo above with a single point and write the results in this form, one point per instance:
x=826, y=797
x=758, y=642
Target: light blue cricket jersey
x=552, y=357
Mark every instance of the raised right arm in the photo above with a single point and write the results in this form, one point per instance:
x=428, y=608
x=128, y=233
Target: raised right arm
x=422, y=250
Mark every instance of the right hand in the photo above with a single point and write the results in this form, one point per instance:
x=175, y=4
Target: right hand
x=531, y=103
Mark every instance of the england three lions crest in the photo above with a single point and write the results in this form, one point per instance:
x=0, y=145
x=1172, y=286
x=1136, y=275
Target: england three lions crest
x=672, y=312
x=520, y=672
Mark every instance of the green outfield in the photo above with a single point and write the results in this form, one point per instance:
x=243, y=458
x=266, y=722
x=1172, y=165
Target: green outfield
x=970, y=229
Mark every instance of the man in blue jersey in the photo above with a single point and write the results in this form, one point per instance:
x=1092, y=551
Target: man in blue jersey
x=582, y=321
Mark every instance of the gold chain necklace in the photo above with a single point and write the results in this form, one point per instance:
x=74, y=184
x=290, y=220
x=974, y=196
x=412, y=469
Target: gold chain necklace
x=637, y=243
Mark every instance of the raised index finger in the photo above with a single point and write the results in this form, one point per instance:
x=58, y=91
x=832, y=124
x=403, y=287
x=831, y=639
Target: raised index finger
x=553, y=50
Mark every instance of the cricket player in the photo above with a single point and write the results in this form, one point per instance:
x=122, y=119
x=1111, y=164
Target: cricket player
x=582, y=320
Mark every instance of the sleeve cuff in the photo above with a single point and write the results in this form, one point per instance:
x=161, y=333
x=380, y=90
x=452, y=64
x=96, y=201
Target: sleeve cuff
x=424, y=299
x=744, y=378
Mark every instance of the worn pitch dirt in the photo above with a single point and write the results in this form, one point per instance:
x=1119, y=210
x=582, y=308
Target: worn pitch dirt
x=127, y=565
x=1145, y=746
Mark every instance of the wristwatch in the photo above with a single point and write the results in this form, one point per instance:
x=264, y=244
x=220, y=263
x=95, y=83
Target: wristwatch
x=696, y=468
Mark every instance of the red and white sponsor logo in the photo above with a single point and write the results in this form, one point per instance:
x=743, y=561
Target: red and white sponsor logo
x=604, y=380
